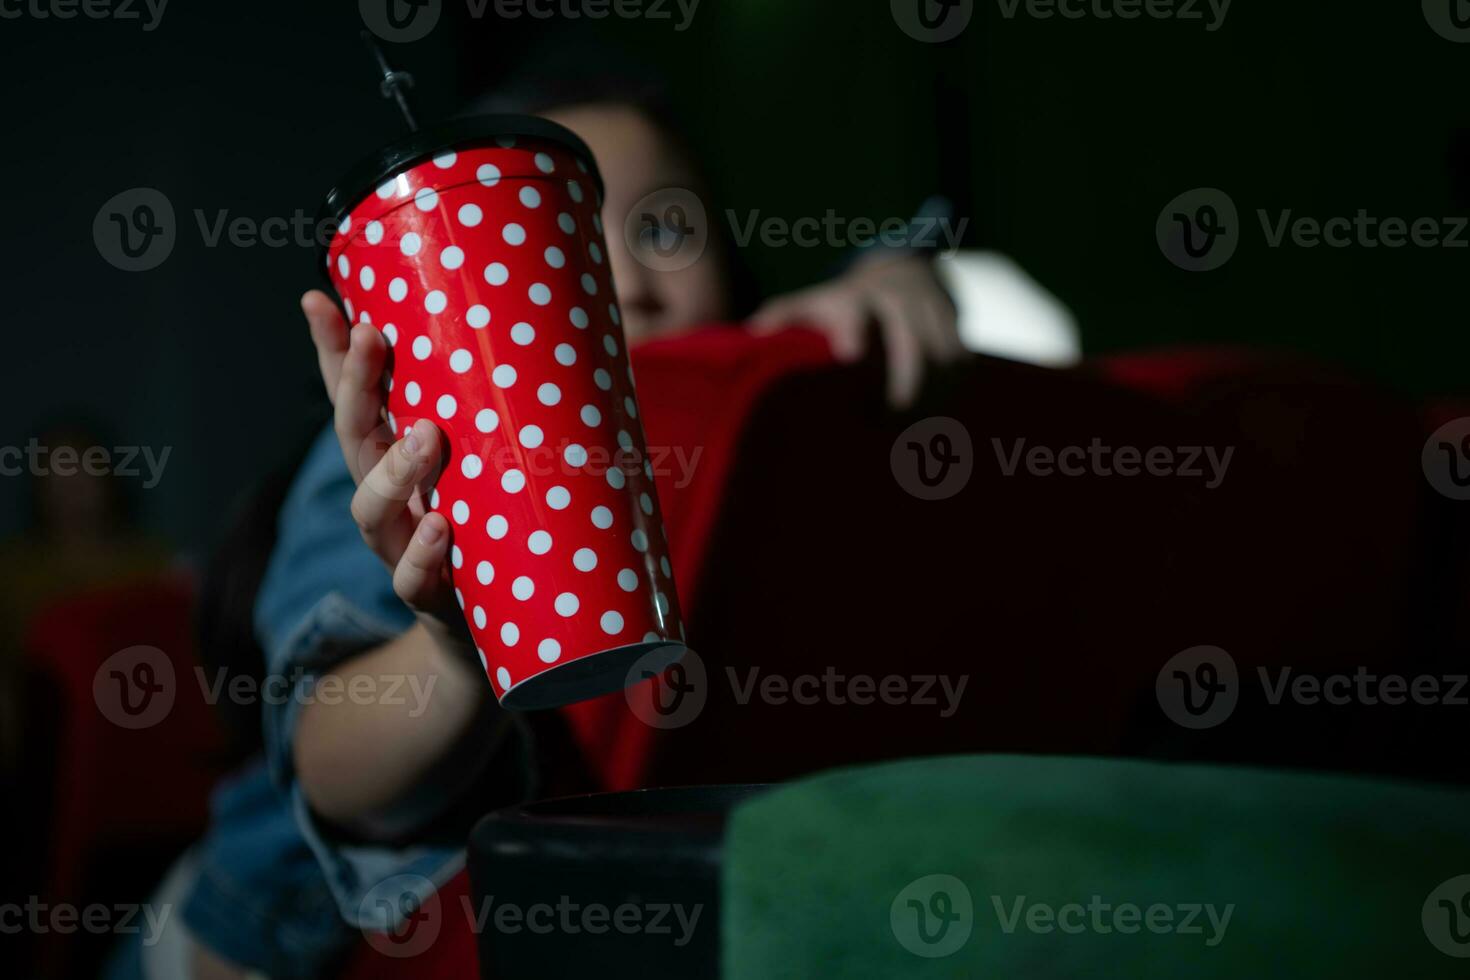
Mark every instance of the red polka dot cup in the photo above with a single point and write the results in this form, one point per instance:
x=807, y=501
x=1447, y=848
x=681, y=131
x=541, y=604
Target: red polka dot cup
x=477, y=249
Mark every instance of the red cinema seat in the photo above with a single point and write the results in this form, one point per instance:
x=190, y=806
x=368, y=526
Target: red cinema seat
x=1055, y=600
x=1058, y=599
x=135, y=743
x=440, y=942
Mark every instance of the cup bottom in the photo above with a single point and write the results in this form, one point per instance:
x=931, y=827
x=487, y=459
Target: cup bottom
x=590, y=676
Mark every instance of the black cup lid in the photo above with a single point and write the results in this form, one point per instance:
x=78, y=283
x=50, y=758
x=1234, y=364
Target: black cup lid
x=364, y=178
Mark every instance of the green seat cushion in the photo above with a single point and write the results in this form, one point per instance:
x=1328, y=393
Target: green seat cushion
x=1036, y=867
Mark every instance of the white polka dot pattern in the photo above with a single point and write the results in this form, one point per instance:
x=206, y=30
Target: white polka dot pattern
x=497, y=303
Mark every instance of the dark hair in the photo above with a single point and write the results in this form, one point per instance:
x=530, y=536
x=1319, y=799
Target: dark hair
x=225, y=619
x=575, y=69
x=579, y=71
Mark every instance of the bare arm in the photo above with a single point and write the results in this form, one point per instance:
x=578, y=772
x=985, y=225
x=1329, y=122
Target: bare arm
x=357, y=758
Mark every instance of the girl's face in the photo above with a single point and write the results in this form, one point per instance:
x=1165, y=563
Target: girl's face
x=636, y=159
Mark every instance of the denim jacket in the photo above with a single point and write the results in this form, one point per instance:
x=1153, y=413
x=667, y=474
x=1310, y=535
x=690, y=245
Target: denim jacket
x=277, y=889
x=327, y=597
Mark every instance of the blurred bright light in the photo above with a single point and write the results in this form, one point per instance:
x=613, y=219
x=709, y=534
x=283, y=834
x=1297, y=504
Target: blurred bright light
x=1003, y=312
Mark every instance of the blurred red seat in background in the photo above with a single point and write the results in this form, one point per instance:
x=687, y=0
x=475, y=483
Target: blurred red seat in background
x=448, y=950
x=135, y=743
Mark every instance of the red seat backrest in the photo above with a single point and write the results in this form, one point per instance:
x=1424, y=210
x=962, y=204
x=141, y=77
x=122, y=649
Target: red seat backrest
x=1059, y=598
x=122, y=777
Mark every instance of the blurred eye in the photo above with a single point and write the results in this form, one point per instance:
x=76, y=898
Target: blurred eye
x=651, y=233
x=655, y=236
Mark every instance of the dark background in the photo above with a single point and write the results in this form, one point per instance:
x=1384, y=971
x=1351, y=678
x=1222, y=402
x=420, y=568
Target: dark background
x=1060, y=140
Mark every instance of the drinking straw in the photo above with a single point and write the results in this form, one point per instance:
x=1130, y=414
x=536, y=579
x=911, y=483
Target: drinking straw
x=394, y=83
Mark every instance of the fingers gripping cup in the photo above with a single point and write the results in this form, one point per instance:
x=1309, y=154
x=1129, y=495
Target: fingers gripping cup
x=477, y=250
